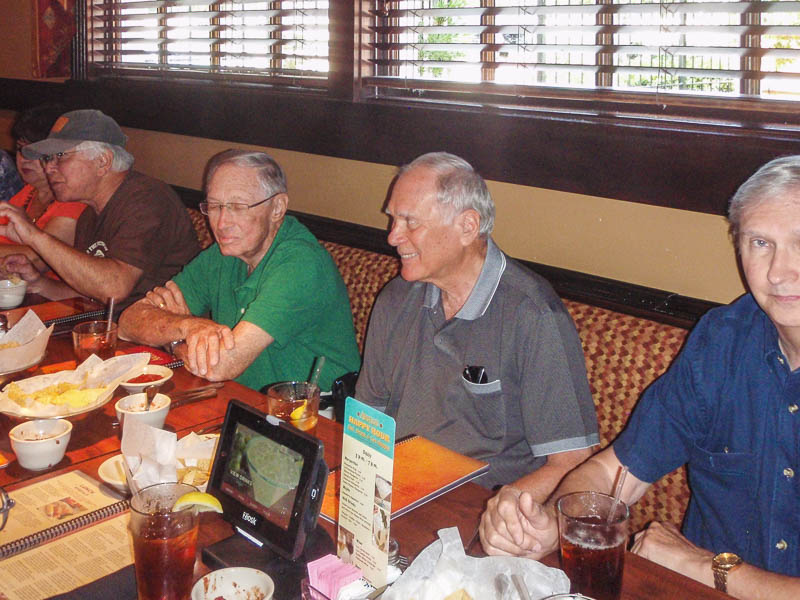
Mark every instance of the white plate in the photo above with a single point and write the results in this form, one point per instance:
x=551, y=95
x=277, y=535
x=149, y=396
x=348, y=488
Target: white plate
x=113, y=473
x=23, y=367
x=102, y=401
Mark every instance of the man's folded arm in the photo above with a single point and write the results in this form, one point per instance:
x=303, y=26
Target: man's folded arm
x=96, y=277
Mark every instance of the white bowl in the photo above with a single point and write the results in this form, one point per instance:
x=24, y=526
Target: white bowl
x=40, y=444
x=12, y=293
x=164, y=372
x=132, y=407
x=113, y=474
x=234, y=583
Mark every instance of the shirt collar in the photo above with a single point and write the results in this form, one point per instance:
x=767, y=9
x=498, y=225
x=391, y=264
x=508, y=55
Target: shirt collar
x=482, y=293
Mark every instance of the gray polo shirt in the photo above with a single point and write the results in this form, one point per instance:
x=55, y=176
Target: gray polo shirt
x=536, y=401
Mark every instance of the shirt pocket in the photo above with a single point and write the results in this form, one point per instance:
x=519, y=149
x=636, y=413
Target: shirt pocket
x=729, y=475
x=485, y=409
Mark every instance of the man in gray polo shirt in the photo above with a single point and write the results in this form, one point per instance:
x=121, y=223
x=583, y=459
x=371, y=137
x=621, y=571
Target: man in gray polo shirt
x=469, y=348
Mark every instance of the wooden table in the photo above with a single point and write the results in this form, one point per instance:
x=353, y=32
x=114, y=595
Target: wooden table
x=94, y=439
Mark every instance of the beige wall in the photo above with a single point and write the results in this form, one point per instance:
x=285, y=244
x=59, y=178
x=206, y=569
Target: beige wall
x=679, y=251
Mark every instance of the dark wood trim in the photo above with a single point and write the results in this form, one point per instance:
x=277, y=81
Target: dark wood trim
x=673, y=164
x=637, y=300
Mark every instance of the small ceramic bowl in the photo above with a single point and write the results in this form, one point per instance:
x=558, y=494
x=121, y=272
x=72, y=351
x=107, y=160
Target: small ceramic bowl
x=133, y=386
x=40, y=444
x=12, y=293
x=113, y=474
x=133, y=407
x=235, y=583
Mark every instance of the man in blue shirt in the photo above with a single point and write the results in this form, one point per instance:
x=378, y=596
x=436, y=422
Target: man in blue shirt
x=728, y=407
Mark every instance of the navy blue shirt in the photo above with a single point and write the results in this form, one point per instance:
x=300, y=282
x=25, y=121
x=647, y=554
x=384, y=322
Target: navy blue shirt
x=728, y=406
x=10, y=182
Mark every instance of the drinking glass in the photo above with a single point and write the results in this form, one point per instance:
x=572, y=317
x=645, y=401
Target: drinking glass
x=592, y=545
x=296, y=402
x=164, y=542
x=94, y=337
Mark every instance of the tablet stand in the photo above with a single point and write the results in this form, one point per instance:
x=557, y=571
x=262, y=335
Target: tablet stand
x=237, y=551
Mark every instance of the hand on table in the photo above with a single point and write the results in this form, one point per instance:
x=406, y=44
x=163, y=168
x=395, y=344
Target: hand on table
x=169, y=298
x=204, y=340
x=664, y=544
x=514, y=524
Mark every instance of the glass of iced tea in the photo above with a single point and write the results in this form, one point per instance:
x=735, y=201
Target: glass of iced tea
x=592, y=545
x=296, y=402
x=164, y=542
x=94, y=337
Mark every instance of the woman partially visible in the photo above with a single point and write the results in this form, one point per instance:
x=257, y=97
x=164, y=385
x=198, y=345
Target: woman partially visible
x=36, y=198
x=10, y=183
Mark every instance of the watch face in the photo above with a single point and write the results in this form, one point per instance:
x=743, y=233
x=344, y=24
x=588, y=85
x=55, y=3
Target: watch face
x=726, y=560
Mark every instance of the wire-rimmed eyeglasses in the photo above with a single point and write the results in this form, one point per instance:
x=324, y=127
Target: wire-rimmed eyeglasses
x=212, y=209
x=56, y=158
x=6, y=504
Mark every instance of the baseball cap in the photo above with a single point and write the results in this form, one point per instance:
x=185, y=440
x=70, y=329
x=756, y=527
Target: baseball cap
x=74, y=127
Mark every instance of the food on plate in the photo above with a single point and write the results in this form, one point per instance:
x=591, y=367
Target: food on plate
x=9, y=345
x=69, y=394
x=459, y=595
x=194, y=474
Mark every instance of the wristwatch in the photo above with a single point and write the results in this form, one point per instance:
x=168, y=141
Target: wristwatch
x=170, y=347
x=722, y=564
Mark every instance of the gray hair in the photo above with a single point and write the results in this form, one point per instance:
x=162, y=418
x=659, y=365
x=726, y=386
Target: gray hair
x=459, y=186
x=773, y=178
x=269, y=173
x=121, y=159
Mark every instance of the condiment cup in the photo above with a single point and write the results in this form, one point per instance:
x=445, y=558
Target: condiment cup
x=40, y=444
x=12, y=293
x=164, y=374
x=234, y=583
x=133, y=407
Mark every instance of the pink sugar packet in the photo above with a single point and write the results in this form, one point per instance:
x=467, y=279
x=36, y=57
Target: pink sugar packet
x=329, y=574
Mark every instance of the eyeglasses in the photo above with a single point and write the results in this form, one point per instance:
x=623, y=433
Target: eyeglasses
x=235, y=208
x=56, y=158
x=6, y=504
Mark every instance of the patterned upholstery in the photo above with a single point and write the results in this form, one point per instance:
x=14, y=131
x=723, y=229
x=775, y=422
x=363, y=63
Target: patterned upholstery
x=201, y=228
x=364, y=274
x=624, y=354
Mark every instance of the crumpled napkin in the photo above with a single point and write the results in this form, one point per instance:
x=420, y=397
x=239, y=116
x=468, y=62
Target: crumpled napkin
x=148, y=455
x=443, y=568
x=30, y=337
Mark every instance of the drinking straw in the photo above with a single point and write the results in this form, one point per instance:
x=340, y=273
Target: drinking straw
x=617, y=492
x=110, y=317
x=318, y=364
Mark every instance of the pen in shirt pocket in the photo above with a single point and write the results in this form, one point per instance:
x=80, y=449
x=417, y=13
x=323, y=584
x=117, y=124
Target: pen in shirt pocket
x=475, y=374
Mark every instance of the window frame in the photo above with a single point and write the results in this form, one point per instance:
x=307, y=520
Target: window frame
x=698, y=151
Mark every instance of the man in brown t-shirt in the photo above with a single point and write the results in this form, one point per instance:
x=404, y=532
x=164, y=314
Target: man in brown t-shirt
x=137, y=236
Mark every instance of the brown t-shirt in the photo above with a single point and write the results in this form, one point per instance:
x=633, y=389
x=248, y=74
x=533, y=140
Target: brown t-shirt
x=145, y=225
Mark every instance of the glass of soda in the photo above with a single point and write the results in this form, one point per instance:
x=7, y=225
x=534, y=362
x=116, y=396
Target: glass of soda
x=164, y=542
x=592, y=545
x=296, y=402
x=94, y=337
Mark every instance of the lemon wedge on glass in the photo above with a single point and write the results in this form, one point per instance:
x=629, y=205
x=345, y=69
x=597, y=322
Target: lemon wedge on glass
x=297, y=413
x=201, y=501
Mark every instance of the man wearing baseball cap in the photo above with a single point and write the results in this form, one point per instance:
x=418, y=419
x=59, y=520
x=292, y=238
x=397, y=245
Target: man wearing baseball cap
x=137, y=235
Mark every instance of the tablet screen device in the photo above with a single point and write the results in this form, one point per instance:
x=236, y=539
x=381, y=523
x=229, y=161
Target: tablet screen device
x=270, y=479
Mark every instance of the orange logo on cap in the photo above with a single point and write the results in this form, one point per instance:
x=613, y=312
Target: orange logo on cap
x=60, y=123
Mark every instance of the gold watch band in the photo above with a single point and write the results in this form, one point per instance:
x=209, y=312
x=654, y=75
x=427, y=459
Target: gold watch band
x=721, y=580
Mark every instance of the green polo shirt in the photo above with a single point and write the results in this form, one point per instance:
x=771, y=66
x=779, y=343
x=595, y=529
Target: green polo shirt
x=295, y=294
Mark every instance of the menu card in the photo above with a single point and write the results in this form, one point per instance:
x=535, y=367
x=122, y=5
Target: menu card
x=365, y=500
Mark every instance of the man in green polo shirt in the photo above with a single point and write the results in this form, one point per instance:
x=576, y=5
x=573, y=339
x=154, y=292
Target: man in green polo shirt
x=264, y=301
